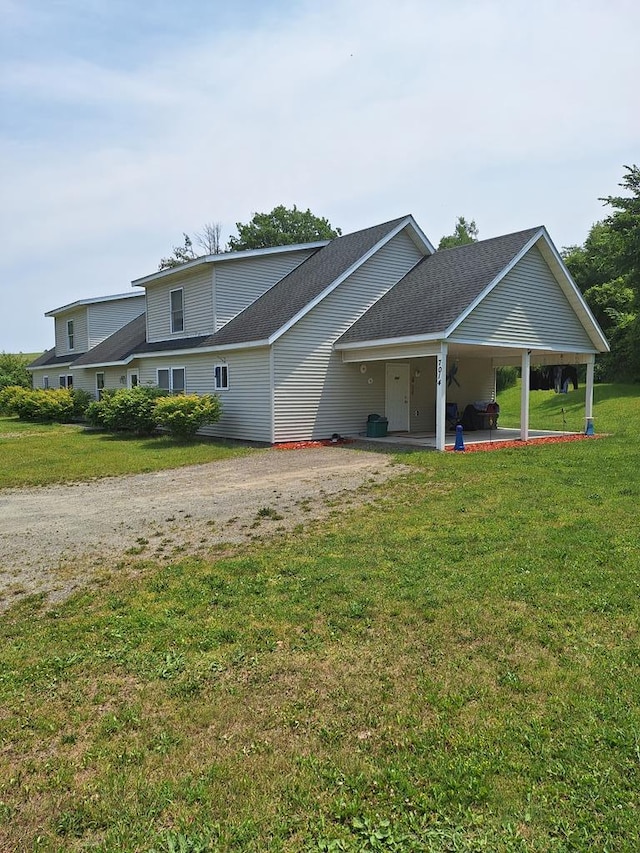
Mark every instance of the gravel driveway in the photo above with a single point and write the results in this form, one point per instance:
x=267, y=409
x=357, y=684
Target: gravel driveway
x=53, y=539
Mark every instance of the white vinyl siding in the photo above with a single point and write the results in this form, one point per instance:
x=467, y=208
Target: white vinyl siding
x=105, y=318
x=316, y=394
x=85, y=378
x=239, y=283
x=246, y=406
x=197, y=306
x=80, y=340
x=527, y=308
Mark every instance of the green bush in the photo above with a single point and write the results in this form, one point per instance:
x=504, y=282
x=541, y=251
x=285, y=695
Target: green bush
x=183, y=415
x=126, y=410
x=81, y=400
x=38, y=404
x=506, y=377
x=9, y=397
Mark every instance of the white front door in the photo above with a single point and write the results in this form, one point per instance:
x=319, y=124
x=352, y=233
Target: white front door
x=397, y=396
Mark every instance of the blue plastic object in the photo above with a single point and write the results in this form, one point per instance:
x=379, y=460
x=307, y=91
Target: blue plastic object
x=589, y=430
x=459, y=445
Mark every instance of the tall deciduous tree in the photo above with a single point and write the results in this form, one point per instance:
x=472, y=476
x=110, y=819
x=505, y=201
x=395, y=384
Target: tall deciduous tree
x=464, y=233
x=281, y=227
x=606, y=268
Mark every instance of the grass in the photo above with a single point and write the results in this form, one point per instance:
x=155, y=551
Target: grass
x=455, y=667
x=41, y=454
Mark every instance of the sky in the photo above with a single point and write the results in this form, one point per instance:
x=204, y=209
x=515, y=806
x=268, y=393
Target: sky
x=125, y=124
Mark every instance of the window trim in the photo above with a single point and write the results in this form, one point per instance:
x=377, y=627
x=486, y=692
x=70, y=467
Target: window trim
x=220, y=366
x=170, y=371
x=65, y=380
x=99, y=387
x=172, y=313
x=45, y=382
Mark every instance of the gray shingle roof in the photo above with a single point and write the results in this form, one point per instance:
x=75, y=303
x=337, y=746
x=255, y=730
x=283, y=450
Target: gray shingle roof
x=301, y=286
x=50, y=359
x=118, y=346
x=437, y=290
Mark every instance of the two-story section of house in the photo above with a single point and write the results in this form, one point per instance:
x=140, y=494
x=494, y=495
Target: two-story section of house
x=79, y=327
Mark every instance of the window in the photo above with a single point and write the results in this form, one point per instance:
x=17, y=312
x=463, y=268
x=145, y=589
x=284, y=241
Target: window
x=66, y=381
x=177, y=311
x=70, y=334
x=99, y=385
x=172, y=379
x=221, y=377
x=45, y=382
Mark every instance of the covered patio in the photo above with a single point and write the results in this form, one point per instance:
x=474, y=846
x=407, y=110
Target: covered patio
x=427, y=440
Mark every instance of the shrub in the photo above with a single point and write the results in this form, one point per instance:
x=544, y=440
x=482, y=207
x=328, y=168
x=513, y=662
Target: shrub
x=126, y=410
x=80, y=400
x=183, y=415
x=9, y=397
x=39, y=405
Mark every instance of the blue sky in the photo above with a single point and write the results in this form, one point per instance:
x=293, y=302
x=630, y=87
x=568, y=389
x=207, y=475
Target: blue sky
x=124, y=124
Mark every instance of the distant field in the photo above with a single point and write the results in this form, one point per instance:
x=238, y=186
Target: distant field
x=455, y=667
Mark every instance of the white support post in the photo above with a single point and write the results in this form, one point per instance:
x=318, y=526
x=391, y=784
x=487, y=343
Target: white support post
x=524, y=395
x=441, y=397
x=588, y=402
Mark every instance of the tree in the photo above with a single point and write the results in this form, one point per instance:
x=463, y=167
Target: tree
x=281, y=227
x=181, y=255
x=464, y=233
x=606, y=268
x=210, y=238
x=13, y=370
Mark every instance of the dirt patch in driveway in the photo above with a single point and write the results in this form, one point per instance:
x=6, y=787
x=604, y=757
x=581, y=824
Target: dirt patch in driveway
x=55, y=539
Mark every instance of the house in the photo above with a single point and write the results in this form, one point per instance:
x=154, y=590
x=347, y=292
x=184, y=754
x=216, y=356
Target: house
x=305, y=341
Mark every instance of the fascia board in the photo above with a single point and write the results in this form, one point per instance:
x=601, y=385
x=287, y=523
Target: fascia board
x=531, y=242
x=575, y=292
x=423, y=237
x=385, y=342
x=517, y=345
x=79, y=303
x=200, y=350
x=226, y=257
x=100, y=364
x=408, y=220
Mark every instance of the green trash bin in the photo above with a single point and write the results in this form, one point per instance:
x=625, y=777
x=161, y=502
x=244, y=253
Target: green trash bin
x=376, y=426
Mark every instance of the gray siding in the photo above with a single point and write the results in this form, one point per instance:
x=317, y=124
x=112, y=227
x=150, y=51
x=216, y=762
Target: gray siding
x=246, y=406
x=105, y=318
x=526, y=308
x=239, y=283
x=80, y=335
x=85, y=378
x=197, y=304
x=316, y=394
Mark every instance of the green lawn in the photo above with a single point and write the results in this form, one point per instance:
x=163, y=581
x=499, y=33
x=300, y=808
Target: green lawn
x=453, y=668
x=40, y=454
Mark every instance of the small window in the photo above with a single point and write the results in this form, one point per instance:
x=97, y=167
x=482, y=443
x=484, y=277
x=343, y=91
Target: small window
x=221, y=377
x=99, y=385
x=163, y=379
x=70, y=334
x=177, y=380
x=177, y=311
x=45, y=383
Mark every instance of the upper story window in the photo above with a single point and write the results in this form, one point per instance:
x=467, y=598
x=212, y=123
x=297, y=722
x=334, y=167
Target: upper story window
x=70, y=334
x=177, y=310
